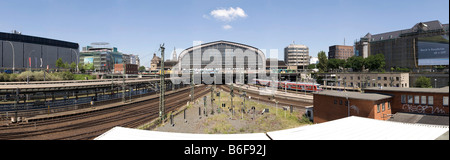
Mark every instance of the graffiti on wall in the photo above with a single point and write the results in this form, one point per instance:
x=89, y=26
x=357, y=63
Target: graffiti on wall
x=355, y=108
x=423, y=109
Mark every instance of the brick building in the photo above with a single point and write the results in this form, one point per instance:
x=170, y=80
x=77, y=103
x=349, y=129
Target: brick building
x=416, y=100
x=340, y=52
x=332, y=105
x=129, y=68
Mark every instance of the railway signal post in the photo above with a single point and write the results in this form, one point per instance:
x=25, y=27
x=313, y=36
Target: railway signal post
x=162, y=86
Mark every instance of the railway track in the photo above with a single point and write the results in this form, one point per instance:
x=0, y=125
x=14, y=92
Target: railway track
x=92, y=124
x=267, y=99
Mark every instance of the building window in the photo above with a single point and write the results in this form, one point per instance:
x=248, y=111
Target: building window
x=410, y=99
x=430, y=100
x=335, y=101
x=416, y=99
x=403, y=98
x=378, y=108
x=389, y=105
x=340, y=102
x=445, y=100
x=383, y=107
x=424, y=100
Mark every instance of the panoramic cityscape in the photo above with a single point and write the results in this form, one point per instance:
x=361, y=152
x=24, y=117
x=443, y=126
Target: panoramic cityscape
x=224, y=70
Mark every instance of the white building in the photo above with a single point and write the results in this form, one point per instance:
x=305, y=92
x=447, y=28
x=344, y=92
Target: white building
x=313, y=60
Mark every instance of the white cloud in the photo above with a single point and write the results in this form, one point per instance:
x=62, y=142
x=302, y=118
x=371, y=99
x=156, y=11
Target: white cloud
x=227, y=27
x=229, y=14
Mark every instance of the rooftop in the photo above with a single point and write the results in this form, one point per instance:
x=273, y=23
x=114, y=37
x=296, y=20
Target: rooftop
x=431, y=25
x=359, y=128
x=420, y=118
x=350, y=128
x=400, y=89
x=354, y=95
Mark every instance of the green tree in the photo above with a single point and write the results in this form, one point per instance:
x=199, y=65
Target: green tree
x=375, y=62
x=423, y=82
x=336, y=63
x=142, y=69
x=323, y=62
x=73, y=66
x=356, y=63
x=312, y=66
x=59, y=63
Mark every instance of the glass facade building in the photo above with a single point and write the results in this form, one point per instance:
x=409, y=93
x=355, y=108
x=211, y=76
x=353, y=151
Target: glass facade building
x=102, y=59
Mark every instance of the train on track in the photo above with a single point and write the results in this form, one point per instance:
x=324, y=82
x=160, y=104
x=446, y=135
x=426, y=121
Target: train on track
x=300, y=86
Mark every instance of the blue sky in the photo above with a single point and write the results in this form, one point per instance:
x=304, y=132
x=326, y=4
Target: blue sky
x=139, y=26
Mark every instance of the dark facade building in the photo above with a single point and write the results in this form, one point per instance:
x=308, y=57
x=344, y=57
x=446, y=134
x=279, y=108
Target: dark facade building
x=418, y=48
x=16, y=51
x=340, y=52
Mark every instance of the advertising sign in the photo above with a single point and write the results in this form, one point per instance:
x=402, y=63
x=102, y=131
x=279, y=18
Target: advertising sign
x=433, y=50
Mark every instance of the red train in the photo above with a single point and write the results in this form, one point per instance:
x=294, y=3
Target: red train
x=290, y=85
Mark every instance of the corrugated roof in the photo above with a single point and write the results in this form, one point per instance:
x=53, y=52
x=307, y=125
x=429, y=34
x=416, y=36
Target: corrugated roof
x=359, y=128
x=121, y=133
x=420, y=118
x=401, y=89
x=354, y=95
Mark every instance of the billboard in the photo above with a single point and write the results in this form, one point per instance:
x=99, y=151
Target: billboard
x=433, y=50
x=89, y=60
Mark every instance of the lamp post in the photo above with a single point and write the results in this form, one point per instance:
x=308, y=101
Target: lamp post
x=435, y=85
x=29, y=66
x=14, y=56
x=78, y=59
x=348, y=105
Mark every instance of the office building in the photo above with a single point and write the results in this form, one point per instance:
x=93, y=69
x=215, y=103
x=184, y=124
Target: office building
x=421, y=47
x=297, y=56
x=101, y=57
x=340, y=52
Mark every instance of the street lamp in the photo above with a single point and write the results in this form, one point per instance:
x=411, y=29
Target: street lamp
x=14, y=55
x=29, y=65
x=348, y=105
x=435, y=80
x=78, y=59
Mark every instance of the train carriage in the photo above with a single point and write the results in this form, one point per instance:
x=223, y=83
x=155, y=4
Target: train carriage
x=312, y=87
